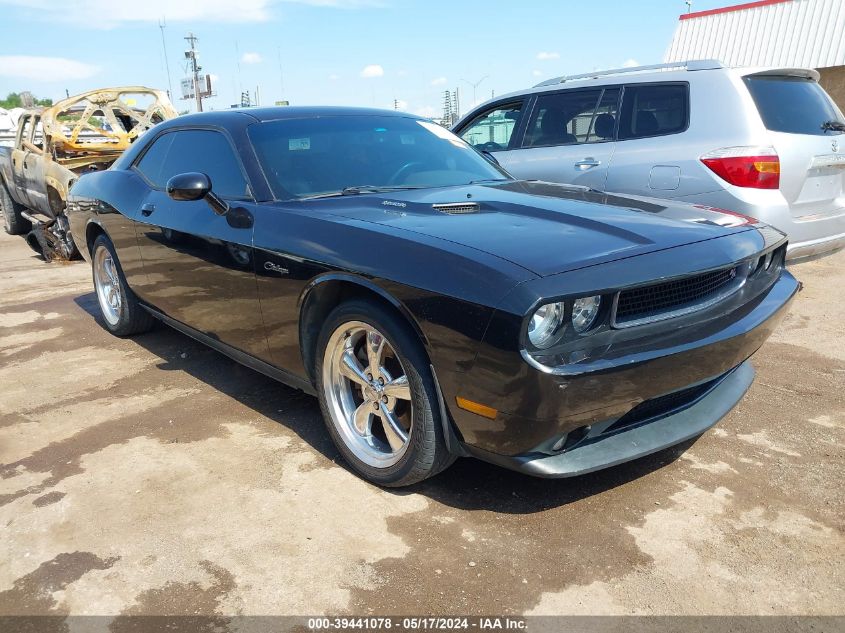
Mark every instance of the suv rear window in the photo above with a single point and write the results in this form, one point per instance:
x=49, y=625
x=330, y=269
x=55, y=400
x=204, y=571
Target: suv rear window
x=791, y=104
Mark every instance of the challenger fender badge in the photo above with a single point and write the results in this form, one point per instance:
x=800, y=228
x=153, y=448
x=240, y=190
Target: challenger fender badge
x=275, y=268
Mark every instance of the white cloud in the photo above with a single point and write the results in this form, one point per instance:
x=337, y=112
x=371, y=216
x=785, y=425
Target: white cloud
x=373, y=70
x=630, y=63
x=107, y=14
x=440, y=81
x=537, y=73
x=45, y=68
x=429, y=112
x=334, y=77
x=544, y=56
x=402, y=73
x=341, y=4
x=251, y=58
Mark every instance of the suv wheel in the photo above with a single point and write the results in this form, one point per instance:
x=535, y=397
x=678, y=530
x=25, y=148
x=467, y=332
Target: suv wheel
x=13, y=222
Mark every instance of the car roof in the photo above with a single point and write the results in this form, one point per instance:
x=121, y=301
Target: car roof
x=282, y=112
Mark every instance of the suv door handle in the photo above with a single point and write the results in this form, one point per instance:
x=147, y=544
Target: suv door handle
x=147, y=209
x=587, y=163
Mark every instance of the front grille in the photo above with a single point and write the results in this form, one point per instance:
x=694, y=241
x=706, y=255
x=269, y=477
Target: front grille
x=660, y=407
x=666, y=299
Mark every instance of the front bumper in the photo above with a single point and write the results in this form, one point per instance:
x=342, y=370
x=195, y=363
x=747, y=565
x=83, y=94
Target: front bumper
x=539, y=411
x=604, y=450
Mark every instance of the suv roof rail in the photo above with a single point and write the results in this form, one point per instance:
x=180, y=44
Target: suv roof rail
x=692, y=64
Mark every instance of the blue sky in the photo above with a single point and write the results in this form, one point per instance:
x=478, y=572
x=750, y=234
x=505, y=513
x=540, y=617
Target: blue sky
x=344, y=52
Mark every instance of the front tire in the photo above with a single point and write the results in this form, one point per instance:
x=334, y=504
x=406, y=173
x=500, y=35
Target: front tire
x=13, y=221
x=378, y=397
x=121, y=311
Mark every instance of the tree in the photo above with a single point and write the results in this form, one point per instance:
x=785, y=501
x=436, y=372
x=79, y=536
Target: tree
x=13, y=100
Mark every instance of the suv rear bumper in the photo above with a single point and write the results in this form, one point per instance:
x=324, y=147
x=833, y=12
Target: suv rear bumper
x=809, y=249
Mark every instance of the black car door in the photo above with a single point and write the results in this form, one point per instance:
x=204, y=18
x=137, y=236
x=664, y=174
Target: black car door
x=199, y=265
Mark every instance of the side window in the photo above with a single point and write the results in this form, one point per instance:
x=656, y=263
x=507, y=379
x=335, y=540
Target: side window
x=604, y=121
x=153, y=159
x=565, y=118
x=492, y=130
x=204, y=151
x=38, y=135
x=654, y=110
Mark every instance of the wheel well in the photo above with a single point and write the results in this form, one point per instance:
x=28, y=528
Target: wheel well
x=324, y=298
x=93, y=231
x=54, y=198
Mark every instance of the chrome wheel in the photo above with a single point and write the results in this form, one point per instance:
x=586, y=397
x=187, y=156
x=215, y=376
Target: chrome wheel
x=367, y=393
x=107, y=284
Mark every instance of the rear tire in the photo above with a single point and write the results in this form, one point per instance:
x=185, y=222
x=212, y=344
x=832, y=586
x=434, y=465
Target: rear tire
x=119, y=307
x=389, y=431
x=13, y=222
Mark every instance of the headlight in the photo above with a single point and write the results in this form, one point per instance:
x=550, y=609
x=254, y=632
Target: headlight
x=584, y=313
x=545, y=324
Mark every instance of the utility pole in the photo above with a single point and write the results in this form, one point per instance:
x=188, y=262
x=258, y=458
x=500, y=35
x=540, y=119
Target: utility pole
x=396, y=104
x=195, y=68
x=281, y=74
x=161, y=24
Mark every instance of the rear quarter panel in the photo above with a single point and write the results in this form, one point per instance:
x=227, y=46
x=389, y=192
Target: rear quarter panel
x=109, y=200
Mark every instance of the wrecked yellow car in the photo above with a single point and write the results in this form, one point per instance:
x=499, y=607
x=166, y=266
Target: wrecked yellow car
x=55, y=146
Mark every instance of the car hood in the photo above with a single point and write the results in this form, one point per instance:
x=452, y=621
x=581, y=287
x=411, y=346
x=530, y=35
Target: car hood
x=543, y=227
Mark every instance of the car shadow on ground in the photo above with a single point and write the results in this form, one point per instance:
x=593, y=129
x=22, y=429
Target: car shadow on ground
x=469, y=484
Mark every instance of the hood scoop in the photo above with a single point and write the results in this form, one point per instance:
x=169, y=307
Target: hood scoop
x=457, y=208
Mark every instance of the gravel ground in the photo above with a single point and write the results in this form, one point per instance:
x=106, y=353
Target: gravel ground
x=155, y=476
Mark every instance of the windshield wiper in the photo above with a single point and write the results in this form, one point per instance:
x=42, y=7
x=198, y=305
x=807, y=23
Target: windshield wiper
x=483, y=180
x=833, y=126
x=356, y=189
x=359, y=189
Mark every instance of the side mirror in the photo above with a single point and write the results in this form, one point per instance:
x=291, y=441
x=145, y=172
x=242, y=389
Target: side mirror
x=190, y=186
x=489, y=156
x=196, y=186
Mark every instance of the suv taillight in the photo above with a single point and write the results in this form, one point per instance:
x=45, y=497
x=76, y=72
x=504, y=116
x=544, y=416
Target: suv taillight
x=757, y=167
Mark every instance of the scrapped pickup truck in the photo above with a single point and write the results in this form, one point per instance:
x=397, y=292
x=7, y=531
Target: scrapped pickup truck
x=55, y=146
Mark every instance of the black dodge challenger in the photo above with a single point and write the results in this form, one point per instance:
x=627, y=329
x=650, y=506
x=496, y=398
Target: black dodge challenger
x=436, y=306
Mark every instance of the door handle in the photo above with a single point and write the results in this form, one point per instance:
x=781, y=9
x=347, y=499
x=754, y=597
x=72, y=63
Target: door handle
x=147, y=209
x=587, y=163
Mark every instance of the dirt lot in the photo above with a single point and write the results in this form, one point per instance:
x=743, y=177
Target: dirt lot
x=153, y=475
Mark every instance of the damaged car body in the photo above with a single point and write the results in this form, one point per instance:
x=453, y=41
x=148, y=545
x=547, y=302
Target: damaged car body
x=54, y=146
x=436, y=306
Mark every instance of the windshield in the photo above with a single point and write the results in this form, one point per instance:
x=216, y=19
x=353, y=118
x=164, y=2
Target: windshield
x=792, y=104
x=309, y=157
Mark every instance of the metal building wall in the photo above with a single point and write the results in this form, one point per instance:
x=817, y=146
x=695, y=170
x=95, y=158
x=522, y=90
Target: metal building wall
x=797, y=33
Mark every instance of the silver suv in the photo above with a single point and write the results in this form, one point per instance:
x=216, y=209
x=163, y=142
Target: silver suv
x=763, y=142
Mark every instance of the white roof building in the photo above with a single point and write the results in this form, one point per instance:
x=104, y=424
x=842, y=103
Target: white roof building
x=782, y=33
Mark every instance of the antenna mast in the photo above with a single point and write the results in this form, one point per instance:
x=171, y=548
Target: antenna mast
x=161, y=25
